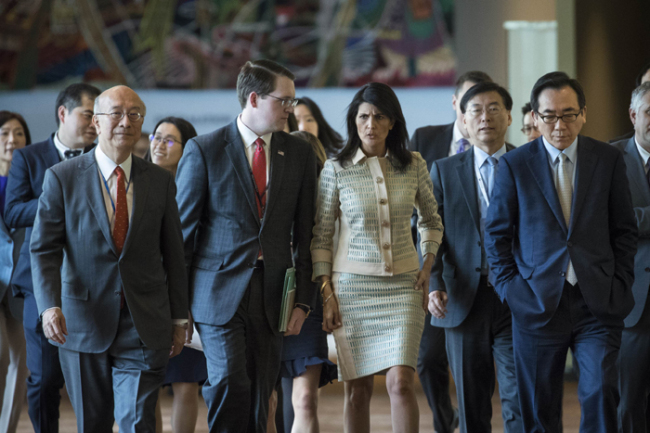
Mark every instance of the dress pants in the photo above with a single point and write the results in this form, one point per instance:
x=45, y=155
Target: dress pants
x=243, y=365
x=46, y=378
x=119, y=384
x=634, y=376
x=540, y=356
x=13, y=367
x=481, y=340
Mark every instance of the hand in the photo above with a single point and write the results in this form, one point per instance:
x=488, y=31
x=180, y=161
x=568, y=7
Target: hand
x=422, y=283
x=178, y=337
x=438, y=304
x=54, y=326
x=331, y=314
x=295, y=322
x=190, y=328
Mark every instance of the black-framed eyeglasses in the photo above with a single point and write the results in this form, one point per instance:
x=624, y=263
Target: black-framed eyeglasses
x=168, y=140
x=287, y=102
x=567, y=118
x=119, y=115
x=528, y=129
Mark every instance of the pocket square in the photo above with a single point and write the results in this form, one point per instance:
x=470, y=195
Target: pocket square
x=280, y=152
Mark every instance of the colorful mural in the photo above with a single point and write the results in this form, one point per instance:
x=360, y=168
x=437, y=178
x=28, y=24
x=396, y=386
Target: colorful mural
x=196, y=44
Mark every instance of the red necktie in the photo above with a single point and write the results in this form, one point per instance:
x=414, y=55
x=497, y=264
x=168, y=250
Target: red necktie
x=121, y=219
x=259, y=173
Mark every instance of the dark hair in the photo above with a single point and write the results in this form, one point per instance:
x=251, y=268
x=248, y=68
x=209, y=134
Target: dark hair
x=330, y=139
x=316, y=145
x=6, y=116
x=259, y=76
x=472, y=76
x=556, y=80
x=526, y=109
x=292, y=122
x=184, y=127
x=484, y=88
x=639, y=77
x=381, y=96
x=71, y=97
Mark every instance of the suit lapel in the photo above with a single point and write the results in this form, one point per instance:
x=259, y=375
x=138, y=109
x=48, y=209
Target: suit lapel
x=636, y=172
x=538, y=165
x=90, y=182
x=587, y=161
x=237, y=154
x=467, y=181
x=141, y=181
x=278, y=155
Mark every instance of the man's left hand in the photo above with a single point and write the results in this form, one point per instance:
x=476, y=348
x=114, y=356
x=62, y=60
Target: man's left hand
x=295, y=323
x=178, y=340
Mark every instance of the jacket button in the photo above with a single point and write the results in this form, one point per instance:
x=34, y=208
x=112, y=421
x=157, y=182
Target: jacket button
x=386, y=246
x=387, y=268
x=383, y=201
x=385, y=224
x=478, y=269
x=379, y=179
x=647, y=269
x=479, y=243
x=563, y=274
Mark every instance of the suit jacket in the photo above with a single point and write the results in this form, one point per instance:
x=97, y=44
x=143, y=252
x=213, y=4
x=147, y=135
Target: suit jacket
x=529, y=245
x=10, y=243
x=623, y=137
x=222, y=231
x=24, y=187
x=641, y=202
x=76, y=266
x=433, y=142
x=458, y=263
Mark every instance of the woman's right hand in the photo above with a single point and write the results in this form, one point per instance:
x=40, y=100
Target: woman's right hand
x=331, y=312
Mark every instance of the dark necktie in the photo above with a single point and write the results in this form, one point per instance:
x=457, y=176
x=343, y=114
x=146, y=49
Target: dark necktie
x=647, y=175
x=121, y=219
x=69, y=154
x=259, y=174
x=463, y=145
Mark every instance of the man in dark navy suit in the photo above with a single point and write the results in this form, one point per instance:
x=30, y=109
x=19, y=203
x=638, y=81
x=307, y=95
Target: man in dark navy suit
x=74, y=113
x=561, y=238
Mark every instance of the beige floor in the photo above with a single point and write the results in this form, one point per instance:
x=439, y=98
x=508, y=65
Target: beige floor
x=331, y=412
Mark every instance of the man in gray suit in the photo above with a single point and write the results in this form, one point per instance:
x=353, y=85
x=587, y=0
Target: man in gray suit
x=109, y=279
x=478, y=327
x=246, y=195
x=634, y=355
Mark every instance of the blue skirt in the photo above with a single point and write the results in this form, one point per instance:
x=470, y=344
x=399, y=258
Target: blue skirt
x=189, y=366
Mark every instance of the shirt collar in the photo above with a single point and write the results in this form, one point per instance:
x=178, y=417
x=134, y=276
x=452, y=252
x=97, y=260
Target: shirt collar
x=107, y=166
x=60, y=146
x=249, y=137
x=642, y=152
x=359, y=156
x=480, y=156
x=457, y=134
x=554, y=152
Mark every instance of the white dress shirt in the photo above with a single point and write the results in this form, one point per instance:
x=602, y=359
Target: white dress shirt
x=108, y=177
x=60, y=147
x=554, y=160
x=249, y=137
x=644, y=155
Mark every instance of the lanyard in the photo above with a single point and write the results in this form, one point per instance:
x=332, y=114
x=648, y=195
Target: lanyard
x=481, y=185
x=128, y=184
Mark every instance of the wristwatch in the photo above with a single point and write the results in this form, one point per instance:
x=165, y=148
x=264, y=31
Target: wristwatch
x=304, y=307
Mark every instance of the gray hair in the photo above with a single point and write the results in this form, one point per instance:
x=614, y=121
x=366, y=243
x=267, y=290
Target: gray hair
x=637, y=96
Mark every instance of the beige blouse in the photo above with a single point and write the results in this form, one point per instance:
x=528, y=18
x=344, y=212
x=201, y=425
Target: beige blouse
x=374, y=202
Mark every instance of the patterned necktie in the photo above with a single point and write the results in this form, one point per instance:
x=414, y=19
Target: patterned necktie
x=565, y=194
x=259, y=173
x=463, y=145
x=494, y=165
x=69, y=154
x=121, y=219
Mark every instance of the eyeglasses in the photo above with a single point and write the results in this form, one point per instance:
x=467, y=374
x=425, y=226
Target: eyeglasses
x=118, y=115
x=492, y=110
x=528, y=129
x=169, y=140
x=567, y=118
x=288, y=102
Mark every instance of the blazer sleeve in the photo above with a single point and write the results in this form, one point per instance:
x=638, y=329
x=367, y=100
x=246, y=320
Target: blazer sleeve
x=303, y=223
x=171, y=244
x=47, y=244
x=20, y=203
x=429, y=222
x=436, y=282
x=192, y=194
x=326, y=214
x=502, y=217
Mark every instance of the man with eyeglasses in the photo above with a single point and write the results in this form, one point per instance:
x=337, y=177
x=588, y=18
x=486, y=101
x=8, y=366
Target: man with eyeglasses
x=560, y=238
x=530, y=130
x=75, y=135
x=108, y=271
x=478, y=327
x=246, y=193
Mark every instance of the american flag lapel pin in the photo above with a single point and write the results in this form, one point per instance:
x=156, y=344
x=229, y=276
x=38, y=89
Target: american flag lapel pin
x=280, y=152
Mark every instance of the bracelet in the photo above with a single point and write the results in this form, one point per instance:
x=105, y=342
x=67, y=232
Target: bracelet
x=328, y=298
x=322, y=287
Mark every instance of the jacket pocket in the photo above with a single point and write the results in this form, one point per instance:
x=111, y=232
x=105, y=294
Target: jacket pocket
x=526, y=272
x=72, y=291
x=207, y=263
x=449, y=271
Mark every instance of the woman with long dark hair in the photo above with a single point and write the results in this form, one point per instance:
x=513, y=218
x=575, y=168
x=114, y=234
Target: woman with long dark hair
x=374, y=293
x=311, y=119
